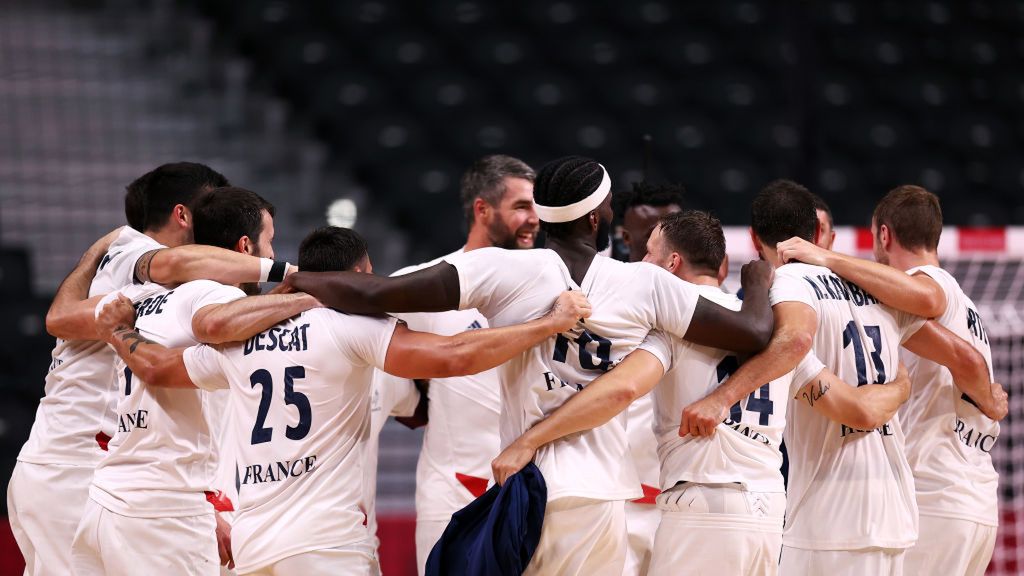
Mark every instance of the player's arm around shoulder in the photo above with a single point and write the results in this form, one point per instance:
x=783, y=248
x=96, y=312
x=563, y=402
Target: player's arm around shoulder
x=71, y=314
x=795, y=325
x=968, y=367
x=246, y=317
x=747, y=330
x=182, y=264
x=860, y=407
x=423, y=355
x=918, y=294
x=152, y=363
x=595, y=405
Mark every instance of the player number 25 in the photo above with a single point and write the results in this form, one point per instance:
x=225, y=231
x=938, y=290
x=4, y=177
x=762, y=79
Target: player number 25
x=260, y=432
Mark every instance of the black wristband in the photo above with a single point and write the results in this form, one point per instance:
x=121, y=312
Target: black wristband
x=277, y=271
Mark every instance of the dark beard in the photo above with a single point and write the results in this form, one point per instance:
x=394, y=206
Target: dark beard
x=604, y=235
x=501, y=237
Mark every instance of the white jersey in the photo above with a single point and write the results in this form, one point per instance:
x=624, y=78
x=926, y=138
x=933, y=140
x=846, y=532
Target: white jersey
x=76, y=416
x=643, y=445
x=848, y=489
x=745, y=448
x=461, y=437
x=163, y=456
x=948, y=439
x=390, y=396
x=300, y=402
x=629, y=300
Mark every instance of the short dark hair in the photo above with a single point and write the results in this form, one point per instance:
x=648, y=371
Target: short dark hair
x=914, y=216
x=226, y=214
x=150, y=198
x=562, y=182
x=781, y=210
x=331, y=249
x=820, y=204
x=698, y=236
x=485, y=179
x=648, y=194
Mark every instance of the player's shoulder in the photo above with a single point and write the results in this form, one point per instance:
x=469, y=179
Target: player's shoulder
x=200, y=287
x=129, y=239
x=799, y=269
x=423, y=265
x=720, y=297
x=140, y=292
x=940, y=275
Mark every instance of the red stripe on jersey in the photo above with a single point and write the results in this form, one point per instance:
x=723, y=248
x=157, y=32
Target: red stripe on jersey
x=220, y=501
x=102, y=440
x=982, y=239
x=650, y=493
x=476, y=486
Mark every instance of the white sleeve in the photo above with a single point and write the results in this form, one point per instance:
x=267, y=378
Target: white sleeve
x=364, y=339
x=809, y=367
x=203, y=364
x=103, y=302
x=908, y=324
x=661, y=346
x=208, y=292
x=402, y=396
x=674, y=301
x=788, y=287
x=492, y=279
x=119, y=263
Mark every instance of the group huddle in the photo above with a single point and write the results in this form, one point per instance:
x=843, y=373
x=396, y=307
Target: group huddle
x=192, y=425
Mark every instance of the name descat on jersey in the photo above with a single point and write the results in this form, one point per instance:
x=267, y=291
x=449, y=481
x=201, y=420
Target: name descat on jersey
x=949, y=440
x=461, y=438
x=855, y=482
x=300, y=405
x=163, y=456
x=629, y=300
x=745, y=448
x=75, y=418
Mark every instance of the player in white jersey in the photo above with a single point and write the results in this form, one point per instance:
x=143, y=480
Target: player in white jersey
x=588, y=477
x=639, y=210
x=950, y=431
x=302, y=508
x=75, y=418
x=850, y=508
x=722, y=493
x=151, y=495
x=461, y=437
x=389, y=397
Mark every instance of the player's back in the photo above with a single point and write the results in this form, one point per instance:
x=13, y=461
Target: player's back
x=76, y=415
x=857, y=482
x=461, y=437
x=300, y=402
x=628, y=301
x=745, y=448
x=164, y=454
x=949, y=439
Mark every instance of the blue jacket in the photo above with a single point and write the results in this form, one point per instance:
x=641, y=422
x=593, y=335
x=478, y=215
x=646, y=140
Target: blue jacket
x=496, y=534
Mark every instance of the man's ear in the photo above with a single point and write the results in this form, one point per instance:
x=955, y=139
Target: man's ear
x=480, y=208
x=244, y=245
x=757, y=242
x=182, y=216
x=675, y=262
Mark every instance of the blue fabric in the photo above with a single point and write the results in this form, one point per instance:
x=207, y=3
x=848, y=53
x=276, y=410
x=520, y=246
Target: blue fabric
x=496, y=534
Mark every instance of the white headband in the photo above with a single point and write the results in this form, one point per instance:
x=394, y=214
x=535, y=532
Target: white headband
x=556, y=214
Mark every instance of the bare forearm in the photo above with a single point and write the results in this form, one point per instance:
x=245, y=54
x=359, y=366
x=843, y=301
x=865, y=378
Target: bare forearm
x=474, y=351
x=151, y=362
x=602, y=400
x=878, y=404
x=747, y=330
x=784, y=352
x=891, y=286
x=197, y=262
x=68, y=317
x=435, y=289
x=247, y=317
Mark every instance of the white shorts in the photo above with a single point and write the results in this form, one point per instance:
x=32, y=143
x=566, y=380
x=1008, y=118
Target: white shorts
x=45, y=503
x=581, y=537
x=712, y=529
x=109, y=544
x=351, y=560
x=641, y=524
x=873, y=561
x=428, y=532
x=951, y=546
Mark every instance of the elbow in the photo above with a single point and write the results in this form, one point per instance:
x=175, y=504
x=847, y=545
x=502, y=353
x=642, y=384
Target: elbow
x=458, y=361
x=55, y=323
x=797, y=344
x=213, y=330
